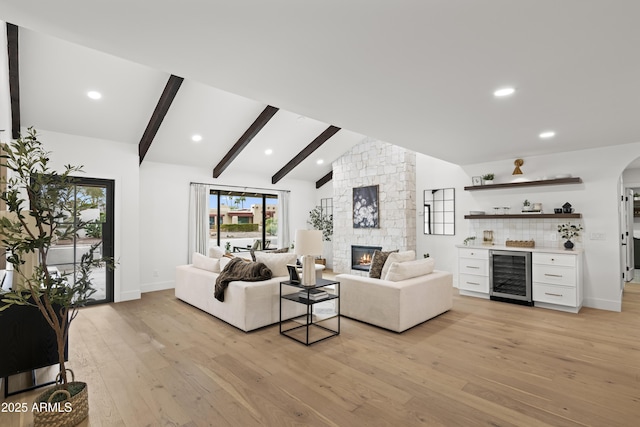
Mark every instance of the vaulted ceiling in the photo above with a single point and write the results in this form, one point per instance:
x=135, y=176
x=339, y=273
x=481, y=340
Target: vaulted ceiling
x=419, y=74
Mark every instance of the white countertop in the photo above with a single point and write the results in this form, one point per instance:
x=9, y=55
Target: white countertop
x=574, y=251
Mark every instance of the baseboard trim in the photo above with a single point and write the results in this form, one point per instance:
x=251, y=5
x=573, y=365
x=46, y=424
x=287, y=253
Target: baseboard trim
x=129, y=296
x=158, y=286
x=602, y=304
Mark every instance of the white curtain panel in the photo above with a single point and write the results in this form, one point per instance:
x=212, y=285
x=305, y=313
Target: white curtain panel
x=284, y=235
x=198, y=220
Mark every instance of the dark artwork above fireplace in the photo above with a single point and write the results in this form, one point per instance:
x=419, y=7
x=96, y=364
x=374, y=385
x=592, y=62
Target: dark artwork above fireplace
x=361, y=257
x=365, y=207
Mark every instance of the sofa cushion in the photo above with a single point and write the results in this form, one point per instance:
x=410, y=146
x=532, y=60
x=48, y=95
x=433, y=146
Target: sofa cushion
x=206, y=263
x=377, y=262
x=409, y=269
x=277, y=263
x=397, y=257
x=216, y=252
x=276, y=251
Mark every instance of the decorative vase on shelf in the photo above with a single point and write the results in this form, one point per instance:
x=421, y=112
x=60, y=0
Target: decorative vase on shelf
x=568, y=245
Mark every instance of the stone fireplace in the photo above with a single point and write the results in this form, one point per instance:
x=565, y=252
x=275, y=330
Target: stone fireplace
x=361, y=256
x=393, y=170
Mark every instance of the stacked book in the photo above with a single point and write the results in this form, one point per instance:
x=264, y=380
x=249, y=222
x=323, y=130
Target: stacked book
x=313, y=294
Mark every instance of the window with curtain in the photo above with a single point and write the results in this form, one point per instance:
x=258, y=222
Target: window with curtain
x=239, y=219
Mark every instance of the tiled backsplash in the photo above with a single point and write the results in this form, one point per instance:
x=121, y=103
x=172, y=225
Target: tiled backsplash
x=540, y=230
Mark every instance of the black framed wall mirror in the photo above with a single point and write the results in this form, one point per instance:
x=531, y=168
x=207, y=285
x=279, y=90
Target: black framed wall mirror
x=439, y=211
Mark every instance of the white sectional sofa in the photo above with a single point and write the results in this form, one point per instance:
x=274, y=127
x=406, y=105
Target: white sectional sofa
x=247, y=305
x=399, y=303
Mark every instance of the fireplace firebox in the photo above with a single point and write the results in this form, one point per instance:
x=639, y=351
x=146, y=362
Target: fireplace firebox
x=361, y=257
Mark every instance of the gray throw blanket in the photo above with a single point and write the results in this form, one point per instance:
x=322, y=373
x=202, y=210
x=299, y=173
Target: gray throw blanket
x=239, y=269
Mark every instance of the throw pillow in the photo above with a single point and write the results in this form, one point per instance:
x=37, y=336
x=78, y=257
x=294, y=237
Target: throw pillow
x=409, y=269
x=277, y=251
x=216, y=252
x=377, y=262
x=397, y=257
x=206, y=263
x=277, y=263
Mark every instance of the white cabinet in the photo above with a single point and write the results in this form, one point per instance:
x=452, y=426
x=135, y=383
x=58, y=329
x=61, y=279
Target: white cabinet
x=557, y=281
x=473, y=272
x=556, y=276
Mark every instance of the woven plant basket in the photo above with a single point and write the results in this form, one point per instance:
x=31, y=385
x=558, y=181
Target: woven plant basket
x=63, y=409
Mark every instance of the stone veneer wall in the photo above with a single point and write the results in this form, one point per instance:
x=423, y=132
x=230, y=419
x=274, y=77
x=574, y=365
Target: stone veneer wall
x=393, y=169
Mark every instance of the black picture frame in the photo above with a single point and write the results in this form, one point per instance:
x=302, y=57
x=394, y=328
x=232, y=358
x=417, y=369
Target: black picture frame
x=294, y=277
x=365, y=207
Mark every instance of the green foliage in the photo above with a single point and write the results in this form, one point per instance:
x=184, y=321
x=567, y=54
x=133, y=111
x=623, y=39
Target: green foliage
x=488, y=176
x=568, y=230
x=239, y=227
x=321, y=222
x=94, y=229
x=271, y=226
x=44, y=209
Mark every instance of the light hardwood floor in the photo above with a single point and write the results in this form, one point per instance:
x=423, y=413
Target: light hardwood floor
x=158, y=361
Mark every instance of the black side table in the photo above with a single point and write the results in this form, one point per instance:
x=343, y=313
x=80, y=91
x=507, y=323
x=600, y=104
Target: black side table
x=311, y=327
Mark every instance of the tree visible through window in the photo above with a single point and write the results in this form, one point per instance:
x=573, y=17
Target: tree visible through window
x=239, y=219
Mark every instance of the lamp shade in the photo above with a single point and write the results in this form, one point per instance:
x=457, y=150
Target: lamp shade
x=308, y=242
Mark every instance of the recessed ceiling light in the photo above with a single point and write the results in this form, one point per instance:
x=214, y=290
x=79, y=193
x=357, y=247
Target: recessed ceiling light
x=505, y=91
x=196, y=138
x=268, y=151
x=547, y=134
x=94, y=95
x=319, y=161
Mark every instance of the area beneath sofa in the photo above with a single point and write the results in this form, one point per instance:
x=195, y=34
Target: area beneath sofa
x=361, y=257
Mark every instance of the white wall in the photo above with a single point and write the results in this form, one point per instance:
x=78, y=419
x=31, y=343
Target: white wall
x=432, y=173
x=119, y=162
x=5, y=98
x=596, y=198
x=164, y=213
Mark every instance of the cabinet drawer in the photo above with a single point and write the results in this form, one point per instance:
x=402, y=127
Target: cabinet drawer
x=560, y=295
x=554, y=275
x=554, y=259
x=473, y=253
x=473, y=266
x=473, y=283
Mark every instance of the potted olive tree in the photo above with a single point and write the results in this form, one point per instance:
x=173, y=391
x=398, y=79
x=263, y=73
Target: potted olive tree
x=40, y=204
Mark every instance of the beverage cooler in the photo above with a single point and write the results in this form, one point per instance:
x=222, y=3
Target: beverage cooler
x=510, y=276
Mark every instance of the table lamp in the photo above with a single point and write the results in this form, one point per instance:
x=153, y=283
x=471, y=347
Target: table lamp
x=308, y=244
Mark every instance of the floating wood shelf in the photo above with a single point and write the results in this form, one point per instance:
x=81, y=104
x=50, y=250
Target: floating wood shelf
x=558, y=181
x=531, y=216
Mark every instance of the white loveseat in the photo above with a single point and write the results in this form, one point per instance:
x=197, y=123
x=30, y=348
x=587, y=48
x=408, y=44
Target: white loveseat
x=397, y=304
x=247, y=305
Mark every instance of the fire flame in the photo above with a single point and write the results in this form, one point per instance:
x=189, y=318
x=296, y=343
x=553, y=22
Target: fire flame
x=365, y=259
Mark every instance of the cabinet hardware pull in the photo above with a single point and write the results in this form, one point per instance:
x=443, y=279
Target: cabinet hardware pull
x=471, y=266
x=473, y=283
x=553, y=295
x=553, y=275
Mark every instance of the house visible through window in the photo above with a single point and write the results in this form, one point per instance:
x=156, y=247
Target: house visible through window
x=241, y=219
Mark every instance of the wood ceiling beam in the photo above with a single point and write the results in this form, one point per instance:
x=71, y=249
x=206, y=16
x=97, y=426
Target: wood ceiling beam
x=166, y=99
x=306, y=152
x=322, y=181
x=245, y=139
x=14, y=79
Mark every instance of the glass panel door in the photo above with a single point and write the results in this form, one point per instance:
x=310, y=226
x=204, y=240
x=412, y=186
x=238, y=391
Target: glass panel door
x=91, y=200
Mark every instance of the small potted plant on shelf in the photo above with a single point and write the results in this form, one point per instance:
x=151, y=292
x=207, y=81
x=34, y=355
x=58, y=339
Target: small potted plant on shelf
x=526, y=206
x=569, y=231
x=487, y=179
